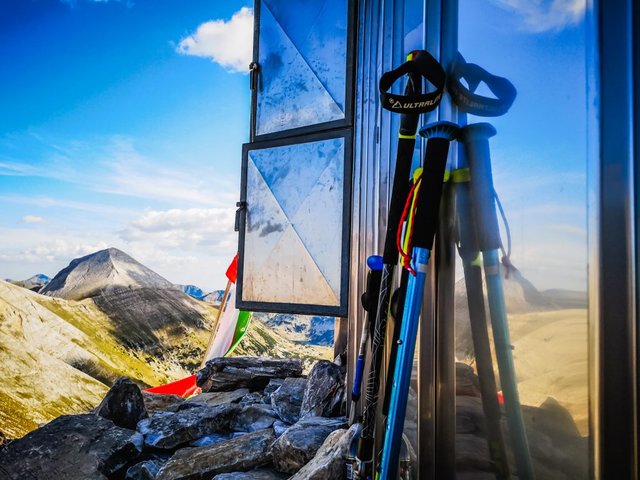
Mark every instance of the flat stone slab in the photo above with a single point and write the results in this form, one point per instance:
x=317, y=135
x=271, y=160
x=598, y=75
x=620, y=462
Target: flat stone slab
x=239, y=454
x=225, y=374
x=155, y=402
x=170, y=431
x=218, y=398
x=260, y=474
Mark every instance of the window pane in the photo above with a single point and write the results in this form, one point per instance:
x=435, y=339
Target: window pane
x=538, y=159
x=293, y=235
x=303, y=58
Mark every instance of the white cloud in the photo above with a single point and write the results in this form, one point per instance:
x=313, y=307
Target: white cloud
x=184, y=229
x=60, y=250
x=546, y=15
x=32, y=219
x=229, y=43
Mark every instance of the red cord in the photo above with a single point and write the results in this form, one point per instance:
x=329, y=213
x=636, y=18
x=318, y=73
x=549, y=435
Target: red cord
x=406, y=257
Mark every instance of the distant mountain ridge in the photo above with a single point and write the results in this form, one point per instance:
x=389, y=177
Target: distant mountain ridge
x=311, y=330
x=145, y=307
x=35, y=283
x=101, y=271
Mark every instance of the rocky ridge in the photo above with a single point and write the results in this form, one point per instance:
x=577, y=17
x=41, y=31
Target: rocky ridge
x=248, y=427
x=263, y=419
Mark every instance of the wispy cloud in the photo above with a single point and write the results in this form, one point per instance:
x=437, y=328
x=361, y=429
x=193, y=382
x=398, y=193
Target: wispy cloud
x=120, y=169
x=228, y=43
x=546, y=15
x=42, y=201
x=32, y=219
x=184, y=229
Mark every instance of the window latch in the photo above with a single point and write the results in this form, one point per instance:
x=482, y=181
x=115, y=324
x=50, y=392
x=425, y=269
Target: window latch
x=254, y=71
x=242, y=207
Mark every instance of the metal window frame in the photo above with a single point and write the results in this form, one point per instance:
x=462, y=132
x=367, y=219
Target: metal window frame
x=347, y=121
x=297, y=308
x=613, y=246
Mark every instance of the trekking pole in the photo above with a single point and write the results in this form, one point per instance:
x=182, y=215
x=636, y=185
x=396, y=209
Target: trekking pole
x=469, y=249
x=420, y=65
x=475, y=139
x=424, y=228
x=369, y=302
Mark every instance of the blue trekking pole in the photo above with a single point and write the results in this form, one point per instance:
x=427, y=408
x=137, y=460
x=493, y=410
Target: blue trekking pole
x=424, y=228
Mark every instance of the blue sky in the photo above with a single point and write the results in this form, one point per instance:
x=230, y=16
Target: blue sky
x=122, y=124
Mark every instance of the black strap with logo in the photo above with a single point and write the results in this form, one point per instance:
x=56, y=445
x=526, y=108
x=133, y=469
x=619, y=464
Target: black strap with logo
x=423, y=64
x=468, y=101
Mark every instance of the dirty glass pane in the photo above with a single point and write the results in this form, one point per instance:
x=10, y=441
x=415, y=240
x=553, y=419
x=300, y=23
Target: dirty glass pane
x=537, y=311
x=293, y=236
x=303, y=58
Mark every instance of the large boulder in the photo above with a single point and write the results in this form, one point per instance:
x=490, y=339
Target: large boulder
x=239, y=454
x=324, y=392
x=299, y=444
x=170, y=431
x=71, y=447
x=287, y=399
x=254, y=373
x=123, y=404
x=328, y=463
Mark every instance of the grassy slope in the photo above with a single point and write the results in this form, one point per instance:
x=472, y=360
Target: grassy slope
x=59, y=357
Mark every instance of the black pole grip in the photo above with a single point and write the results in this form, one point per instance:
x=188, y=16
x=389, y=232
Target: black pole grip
x=475, y=139
x=428, y=205
x=404, y=155
x=422, y=64
x=440, y=135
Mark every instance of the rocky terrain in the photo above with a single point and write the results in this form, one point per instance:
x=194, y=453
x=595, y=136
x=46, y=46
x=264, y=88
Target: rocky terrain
x=260, y=418
x=60, y=355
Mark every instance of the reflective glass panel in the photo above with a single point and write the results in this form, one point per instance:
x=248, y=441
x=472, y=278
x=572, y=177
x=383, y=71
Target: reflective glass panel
x=293, y=234
x=303, y=58
x=536, y=311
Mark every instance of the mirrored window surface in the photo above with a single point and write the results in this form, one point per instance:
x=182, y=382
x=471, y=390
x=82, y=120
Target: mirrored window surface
x=535, y=307
x=303, y=61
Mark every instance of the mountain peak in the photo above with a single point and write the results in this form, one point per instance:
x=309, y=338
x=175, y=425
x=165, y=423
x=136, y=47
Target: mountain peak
x=99, y=271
